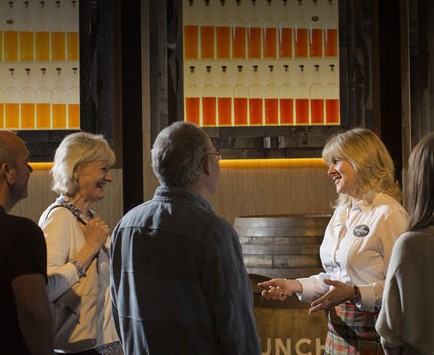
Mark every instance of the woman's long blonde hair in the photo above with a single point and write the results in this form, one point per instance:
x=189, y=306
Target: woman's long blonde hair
x=373, y=167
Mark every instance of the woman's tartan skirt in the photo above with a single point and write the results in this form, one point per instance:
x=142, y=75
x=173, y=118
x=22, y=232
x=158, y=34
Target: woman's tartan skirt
x=351, y=331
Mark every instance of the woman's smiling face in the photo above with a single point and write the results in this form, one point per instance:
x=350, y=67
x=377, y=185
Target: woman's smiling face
x=343, y=175
x=92, y=178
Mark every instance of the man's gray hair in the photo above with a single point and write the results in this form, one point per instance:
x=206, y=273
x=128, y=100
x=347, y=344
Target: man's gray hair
x=178, y=154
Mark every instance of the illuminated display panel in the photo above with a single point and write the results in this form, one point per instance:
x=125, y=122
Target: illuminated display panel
x=261, y=63
x=39, y=65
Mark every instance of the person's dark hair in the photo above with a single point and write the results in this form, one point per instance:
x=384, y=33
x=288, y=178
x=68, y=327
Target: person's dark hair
x=77, y=149
x=370, y=159
x=178, y=153
x=419, y=187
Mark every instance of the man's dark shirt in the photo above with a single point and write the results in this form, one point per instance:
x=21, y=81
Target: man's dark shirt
x=22, y=252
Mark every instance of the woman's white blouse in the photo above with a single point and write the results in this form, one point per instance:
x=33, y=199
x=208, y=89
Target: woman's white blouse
x=357, y=247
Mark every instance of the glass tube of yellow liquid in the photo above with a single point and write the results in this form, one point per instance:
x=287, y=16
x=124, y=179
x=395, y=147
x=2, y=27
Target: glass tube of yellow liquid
x=2, y=100
x=58, y=34
x=27, y=102
x=43, y=102
x=42, y=34
x=26, y=34
x=72, y=35
x=10, y=34
x=12, y=104
x=74, y=101
x=58, y=101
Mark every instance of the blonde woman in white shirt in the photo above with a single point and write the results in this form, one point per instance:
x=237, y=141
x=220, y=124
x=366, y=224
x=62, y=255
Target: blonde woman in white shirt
x=357, y=244
x=77, y=248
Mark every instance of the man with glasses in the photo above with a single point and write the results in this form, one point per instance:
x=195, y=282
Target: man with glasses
x=179, y=285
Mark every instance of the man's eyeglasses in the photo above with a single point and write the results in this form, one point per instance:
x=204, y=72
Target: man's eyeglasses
x=217, y=154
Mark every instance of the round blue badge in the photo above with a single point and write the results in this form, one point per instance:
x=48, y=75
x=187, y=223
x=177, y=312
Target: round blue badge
x=362, y=230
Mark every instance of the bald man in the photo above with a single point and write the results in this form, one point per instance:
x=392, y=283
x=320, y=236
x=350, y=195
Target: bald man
x=25, y=322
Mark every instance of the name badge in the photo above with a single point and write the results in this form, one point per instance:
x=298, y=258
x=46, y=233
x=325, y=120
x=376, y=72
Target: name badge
x=362, y=230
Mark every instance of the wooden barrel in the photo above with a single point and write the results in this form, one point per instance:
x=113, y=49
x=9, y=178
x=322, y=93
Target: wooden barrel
x=284, y=246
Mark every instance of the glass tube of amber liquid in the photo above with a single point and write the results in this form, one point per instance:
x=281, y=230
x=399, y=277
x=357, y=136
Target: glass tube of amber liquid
x=43, y=102
x=254, y=35
x=316, y=98
x=191, y=31
x=315, y=42
x=269, y=33
x=28, y=102
x=2, y=107
x=239, y=34
x=240, y=99
x=300, y=34
x=286, y=99
x=224, y=100
x=285, y=36
x=302, y=99
x=332, y=107
x=223, y=33
x=271, y=100
x=207, y=34
x=42, y=34
x=192, y=98
x=256, y=100
x=330, y=31
x=209, y=107
x=331, y=43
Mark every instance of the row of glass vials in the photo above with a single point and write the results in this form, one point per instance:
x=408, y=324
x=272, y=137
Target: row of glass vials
x=257, y=29
x=47, y=98
x=262, y=95
x=39, y=31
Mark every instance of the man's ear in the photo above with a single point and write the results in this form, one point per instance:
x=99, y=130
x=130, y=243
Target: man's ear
x=8, y=173
x=206, y=165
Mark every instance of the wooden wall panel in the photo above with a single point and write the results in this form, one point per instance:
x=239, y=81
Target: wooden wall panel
x=270, y=191
x=267, y=191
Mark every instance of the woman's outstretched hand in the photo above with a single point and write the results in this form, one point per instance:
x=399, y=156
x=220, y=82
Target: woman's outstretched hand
x=339, y=293
x=280, y=289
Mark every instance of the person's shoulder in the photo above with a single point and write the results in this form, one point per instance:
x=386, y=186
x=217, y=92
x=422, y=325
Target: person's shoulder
x=57, y=212
x=412, y=243
x=22, y=226
x=388, y=205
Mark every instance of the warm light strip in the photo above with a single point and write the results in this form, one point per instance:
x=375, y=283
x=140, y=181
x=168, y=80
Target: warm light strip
x=273, y=163
x=244, y=163
x=41, y=166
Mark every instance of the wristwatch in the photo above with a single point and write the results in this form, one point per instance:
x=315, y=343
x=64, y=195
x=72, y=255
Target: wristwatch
x=356, y=296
